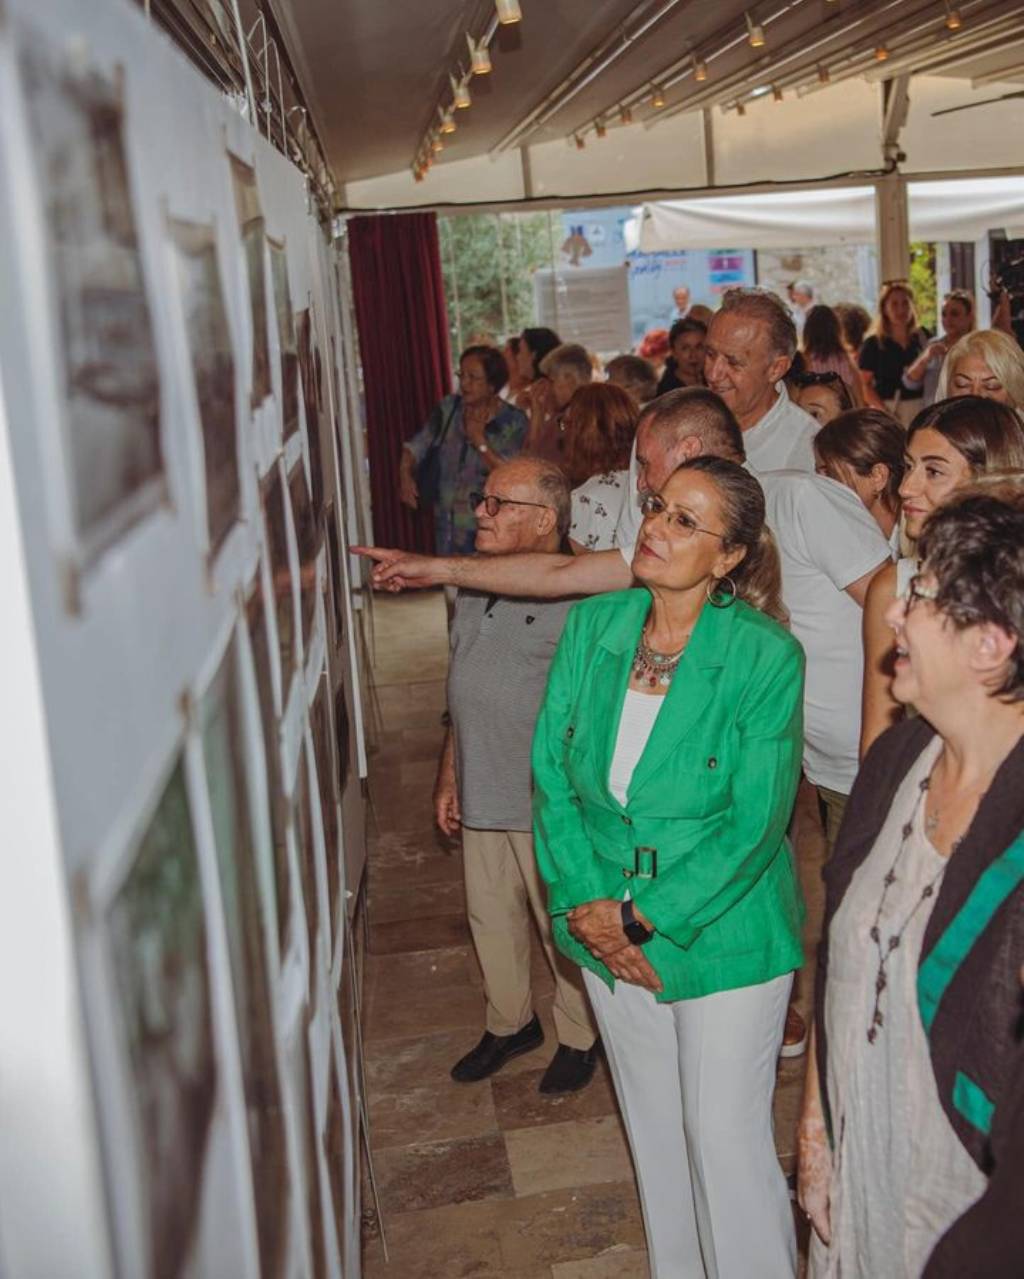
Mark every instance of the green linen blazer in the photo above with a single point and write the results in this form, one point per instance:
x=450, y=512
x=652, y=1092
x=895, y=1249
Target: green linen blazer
x=712, y=793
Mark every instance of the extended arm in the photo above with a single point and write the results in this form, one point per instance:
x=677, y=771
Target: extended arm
x=535, y=576
x=879, y=709
x=858, y=590
x=447, y=812
x=814, y=1153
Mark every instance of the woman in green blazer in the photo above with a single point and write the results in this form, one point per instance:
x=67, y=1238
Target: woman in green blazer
x=666, y=759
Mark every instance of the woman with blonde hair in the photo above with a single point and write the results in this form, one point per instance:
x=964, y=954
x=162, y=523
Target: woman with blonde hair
x=600, y=423
x=986, y=363
x=948, y=445
x=894, y=341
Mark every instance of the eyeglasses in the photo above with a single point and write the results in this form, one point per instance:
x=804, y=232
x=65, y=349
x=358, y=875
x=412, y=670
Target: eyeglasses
x=679, y=523
x=493, y=504
x=915, y=592
x=818, y=379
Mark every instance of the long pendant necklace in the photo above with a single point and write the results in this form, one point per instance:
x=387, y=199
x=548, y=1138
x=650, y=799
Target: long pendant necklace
x=894, y=940
x=652, y=668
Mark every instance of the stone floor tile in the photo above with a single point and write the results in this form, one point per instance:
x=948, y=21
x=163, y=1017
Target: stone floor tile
x=618, y=1262
x=462, y=1241
x=427, y=1059
x=424, y=901
x=418, y=934
x=581, y=1152
x=570, y=1225
x=432, y=1174
x=439, y=1113
x=407, y=975
x=389, y=1016
x=518, y=1104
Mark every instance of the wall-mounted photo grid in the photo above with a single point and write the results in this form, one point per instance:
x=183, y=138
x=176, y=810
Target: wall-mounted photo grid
x=197, y=507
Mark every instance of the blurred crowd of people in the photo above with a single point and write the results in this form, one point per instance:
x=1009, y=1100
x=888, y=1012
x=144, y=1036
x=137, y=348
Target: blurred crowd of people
x=817, y=520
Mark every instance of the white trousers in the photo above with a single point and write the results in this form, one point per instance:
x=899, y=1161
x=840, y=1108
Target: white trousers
x=695, y=1080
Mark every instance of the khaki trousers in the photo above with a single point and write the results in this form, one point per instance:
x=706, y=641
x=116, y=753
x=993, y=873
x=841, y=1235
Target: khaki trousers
x=502, y=888
x=833, y=805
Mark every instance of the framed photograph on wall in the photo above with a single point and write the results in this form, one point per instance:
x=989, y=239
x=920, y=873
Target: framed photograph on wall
x=302, y=826
x=213, y=369
x=311, y=398
x=251, y=226
x=286, y=339
x=326, y=777
x=158, y=943
x=307, y=539
x=224, y=758
x=274, y=498
x=106, y=363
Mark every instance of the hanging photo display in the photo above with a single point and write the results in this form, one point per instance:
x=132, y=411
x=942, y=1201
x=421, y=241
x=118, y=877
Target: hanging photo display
x=281, y=575
x=311, y=1142
x=108, y=374
x=250, y=223
x=230, y=807
x=302, y=825
x=311, y=399
x=339, y=1143
x=286, y=339
x=341, y=735
x=334, y=569
x=307, y=538
x=213, y=370
x=323, y=759
x=257, y=626
x=158, y=945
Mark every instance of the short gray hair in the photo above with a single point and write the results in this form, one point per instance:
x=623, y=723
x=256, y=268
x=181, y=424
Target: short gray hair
x=553, y=489
x=763, y=306
x=570, y=357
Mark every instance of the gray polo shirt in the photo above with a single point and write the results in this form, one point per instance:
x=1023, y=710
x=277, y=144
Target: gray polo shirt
x=500, y=653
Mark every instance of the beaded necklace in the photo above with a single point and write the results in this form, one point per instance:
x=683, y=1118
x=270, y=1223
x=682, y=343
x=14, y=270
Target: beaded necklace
x=875, y=932
x=652, y=668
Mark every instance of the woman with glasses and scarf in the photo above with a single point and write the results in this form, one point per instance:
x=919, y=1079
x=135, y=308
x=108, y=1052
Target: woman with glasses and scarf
x=916, y=1076
x=665, y=760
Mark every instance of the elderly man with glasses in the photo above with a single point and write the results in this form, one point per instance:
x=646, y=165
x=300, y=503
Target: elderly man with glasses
x=501, y=649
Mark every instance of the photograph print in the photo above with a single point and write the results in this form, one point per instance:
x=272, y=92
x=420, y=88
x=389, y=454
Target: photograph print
x=250, y=224
x=213, y=369
x=224, y=756
x=323, y=761
x=308, y=371
x=286, y=338
x=158, y=944
x=307, y=539
x=106, y=368
x=274, y=498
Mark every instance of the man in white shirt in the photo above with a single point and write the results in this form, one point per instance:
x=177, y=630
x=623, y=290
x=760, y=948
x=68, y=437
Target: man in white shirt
x=681, y=298
x=750, y=346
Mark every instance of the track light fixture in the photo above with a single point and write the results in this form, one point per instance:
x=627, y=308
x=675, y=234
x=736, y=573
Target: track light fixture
x=740, y=109
x=580, y=141
x=824, y=75
x=436, y=145
x=447, y=122
x=777, y=93
x=460, y=94
x=508, y=11
x=600, y=128
x=479, y=57
x=700, y=69
x=626, y=114
x=755, y=33
x=954, y=20
x=881, y=53
x=657, y=97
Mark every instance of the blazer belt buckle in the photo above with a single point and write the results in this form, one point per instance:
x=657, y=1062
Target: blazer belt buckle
x=645, y=863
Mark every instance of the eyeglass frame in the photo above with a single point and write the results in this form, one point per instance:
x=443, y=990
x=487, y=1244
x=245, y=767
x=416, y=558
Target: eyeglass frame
x=914, y=593
x=691, y=528
x=476, y=499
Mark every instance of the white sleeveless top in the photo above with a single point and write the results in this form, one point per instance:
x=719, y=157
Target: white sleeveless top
x=639, y=712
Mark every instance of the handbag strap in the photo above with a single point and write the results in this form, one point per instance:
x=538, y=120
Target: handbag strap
x=440, y=434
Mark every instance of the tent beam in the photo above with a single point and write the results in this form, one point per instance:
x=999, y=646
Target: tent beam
x=892, y=215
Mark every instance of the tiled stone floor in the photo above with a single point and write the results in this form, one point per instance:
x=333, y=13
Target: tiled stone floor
x=488, y=1180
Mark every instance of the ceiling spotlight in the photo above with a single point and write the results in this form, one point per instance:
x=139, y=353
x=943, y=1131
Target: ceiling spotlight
x=700, y=70
x=479, y=57
x=437, y=146
x=417, y=175
x=626, y=114
x=657, y=97
x=824, y=75
x=460, y=94
x=600, y=128
x=881, y=53
x=740, y=109
x=508, y=11
x=777, y=93
x=580, y=141
x=755, y=33
x=953, y=19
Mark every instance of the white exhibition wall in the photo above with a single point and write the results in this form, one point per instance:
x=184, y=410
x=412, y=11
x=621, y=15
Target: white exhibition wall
x=180, y=1092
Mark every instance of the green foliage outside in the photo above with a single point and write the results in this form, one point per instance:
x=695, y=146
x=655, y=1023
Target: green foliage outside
x=922, y=281
x=488, y=260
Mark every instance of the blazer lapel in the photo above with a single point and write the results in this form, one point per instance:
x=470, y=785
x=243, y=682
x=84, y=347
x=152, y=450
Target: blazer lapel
x=689, y=694
x=606, y=689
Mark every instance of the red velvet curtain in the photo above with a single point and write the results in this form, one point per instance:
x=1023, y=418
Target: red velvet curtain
x=403, y=340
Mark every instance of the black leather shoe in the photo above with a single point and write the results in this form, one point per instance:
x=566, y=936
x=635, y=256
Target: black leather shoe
x=493, y=1051
x=571, y=1069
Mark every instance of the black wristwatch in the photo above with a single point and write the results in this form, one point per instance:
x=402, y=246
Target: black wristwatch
x=639, y=934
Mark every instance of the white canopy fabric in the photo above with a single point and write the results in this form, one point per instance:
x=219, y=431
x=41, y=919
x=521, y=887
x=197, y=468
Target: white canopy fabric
x=950, y=210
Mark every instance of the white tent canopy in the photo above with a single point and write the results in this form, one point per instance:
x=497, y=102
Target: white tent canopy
x=962, y=209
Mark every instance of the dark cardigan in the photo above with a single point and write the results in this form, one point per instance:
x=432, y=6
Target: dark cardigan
x=968, y=983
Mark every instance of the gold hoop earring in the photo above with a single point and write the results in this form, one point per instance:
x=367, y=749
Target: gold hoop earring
x=716, y=600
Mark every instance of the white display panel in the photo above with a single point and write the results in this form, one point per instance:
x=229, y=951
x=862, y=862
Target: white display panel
x=172, y=404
